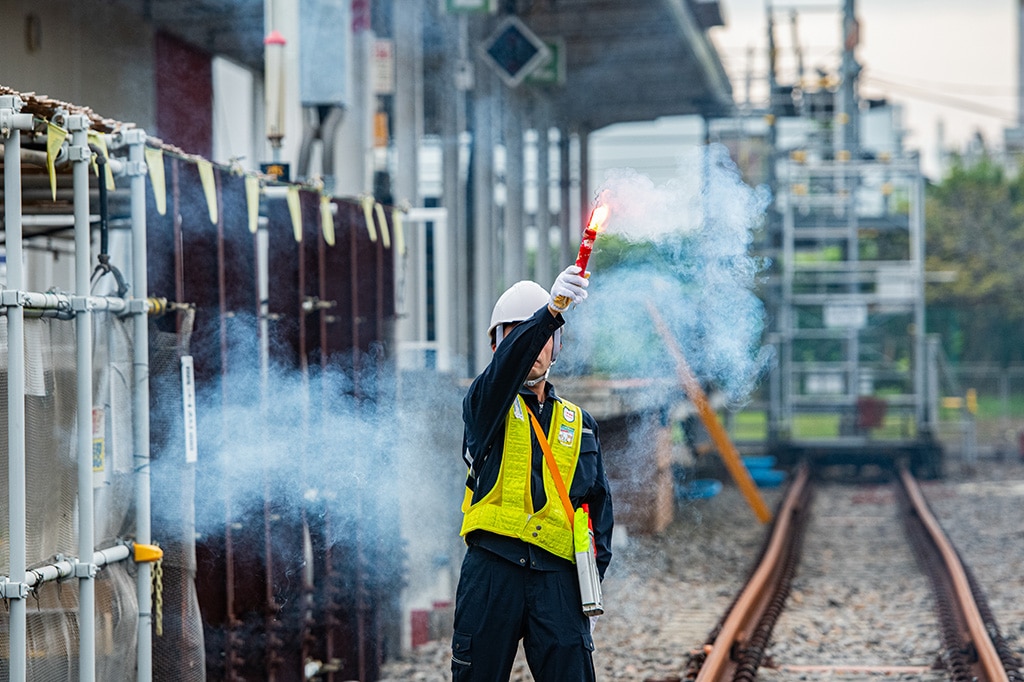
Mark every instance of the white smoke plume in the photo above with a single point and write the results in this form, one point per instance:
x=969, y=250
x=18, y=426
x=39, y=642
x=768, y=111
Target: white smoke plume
x=689, y=253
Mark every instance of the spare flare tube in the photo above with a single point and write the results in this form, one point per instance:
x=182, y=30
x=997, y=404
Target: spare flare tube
x=597, y=218
x=586, y=563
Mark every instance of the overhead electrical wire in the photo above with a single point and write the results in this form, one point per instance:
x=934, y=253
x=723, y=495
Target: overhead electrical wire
x=940, y=98
x=965, y=88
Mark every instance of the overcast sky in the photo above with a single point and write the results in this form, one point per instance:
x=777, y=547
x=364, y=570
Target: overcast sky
x=948, y=60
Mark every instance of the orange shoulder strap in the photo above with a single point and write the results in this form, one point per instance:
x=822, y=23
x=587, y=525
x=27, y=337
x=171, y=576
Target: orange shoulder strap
x=549, y=457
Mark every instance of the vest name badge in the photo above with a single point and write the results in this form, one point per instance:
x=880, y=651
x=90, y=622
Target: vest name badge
x=568, y=414
x=565, y=434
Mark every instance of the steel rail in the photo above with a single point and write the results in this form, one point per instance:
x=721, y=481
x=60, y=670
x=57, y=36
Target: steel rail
x=738, y=643
x=988, y=657
x=758, y=592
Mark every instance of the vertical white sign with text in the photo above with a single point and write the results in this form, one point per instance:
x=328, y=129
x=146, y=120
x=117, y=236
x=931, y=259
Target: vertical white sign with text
x=188, y=399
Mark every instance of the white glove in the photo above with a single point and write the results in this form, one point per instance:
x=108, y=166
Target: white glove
x=593, y=623
x=570, y=287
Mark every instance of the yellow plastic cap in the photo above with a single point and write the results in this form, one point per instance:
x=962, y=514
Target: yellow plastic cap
x=144, y=553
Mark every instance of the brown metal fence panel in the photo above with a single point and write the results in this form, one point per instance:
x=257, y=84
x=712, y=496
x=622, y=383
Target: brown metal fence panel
x=290, y=537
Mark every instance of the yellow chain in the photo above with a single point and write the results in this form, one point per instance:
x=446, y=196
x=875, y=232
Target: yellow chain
x=158, y=596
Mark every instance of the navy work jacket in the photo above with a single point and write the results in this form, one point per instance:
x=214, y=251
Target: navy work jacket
x=484, y=410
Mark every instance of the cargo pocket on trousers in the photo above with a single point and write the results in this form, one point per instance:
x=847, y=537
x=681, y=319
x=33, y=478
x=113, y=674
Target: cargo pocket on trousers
x=462, y=660
x=588, y=642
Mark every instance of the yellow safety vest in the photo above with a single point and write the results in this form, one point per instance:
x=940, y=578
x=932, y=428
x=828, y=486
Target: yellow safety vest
x=507, y=509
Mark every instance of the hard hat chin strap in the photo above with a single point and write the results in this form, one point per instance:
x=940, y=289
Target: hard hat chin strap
x=556, y=344
x=530, y=383
x=499, y=335
x=557, y=336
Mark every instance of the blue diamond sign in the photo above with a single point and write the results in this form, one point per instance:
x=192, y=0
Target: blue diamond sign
x=513, y=51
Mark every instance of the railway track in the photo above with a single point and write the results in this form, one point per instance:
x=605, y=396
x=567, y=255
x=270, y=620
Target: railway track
x=835, y=556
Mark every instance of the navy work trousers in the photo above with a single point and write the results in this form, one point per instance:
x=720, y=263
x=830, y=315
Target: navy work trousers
x=498, y=603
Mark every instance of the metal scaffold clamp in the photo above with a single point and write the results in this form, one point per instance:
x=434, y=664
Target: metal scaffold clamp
x=10, y=298
x=10, y=118
x=80, y=304
x=83, y=569
x=9, y=590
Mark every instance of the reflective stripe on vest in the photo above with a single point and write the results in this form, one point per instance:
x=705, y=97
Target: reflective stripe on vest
x=507, y=509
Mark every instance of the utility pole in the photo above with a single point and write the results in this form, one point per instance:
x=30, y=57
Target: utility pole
x=1020, y=65
x=849, y=124
x=797, y=50
x=773, y=293
x=773, y=84
x=775, y=104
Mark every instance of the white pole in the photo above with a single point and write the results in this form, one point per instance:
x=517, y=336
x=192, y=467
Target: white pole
x=17, y=590
x=542, y=270
x=443, y=331
x=136, y=140
x=408, y=128
x=78, y=126
x=514, y=248
x=483, y=227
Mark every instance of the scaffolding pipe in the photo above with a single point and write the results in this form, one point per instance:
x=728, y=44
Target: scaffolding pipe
x=136, y=140
x=78, y=126
x=61, y=305
x=67, y=567
x=12, y=122
x=38, y=157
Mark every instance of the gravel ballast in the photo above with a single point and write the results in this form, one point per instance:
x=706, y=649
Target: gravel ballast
x=860, y=608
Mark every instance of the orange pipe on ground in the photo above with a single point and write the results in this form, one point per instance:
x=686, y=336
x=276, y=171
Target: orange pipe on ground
x=726, y=449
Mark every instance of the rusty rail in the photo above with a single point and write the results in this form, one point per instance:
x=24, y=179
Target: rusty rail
x=763, y=594
x=973, y=648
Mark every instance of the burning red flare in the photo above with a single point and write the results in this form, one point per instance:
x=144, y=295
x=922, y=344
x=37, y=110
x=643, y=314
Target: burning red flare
x=597, y=218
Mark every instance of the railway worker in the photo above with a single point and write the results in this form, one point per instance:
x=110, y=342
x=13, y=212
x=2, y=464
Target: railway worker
x=518, y=579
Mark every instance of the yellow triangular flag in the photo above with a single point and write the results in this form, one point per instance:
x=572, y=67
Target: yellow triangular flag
x=252, y=201
x=155, y=168
x=368, y=202
x=383, y=222
x=398, y=222
x=209, y=187
x=55, y=136
x=296, y=211
x=327, y=219
x=97, y=138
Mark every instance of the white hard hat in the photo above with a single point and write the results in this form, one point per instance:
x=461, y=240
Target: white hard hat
x=519, y=302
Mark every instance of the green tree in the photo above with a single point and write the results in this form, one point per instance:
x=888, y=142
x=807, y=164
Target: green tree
x=975, y=228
